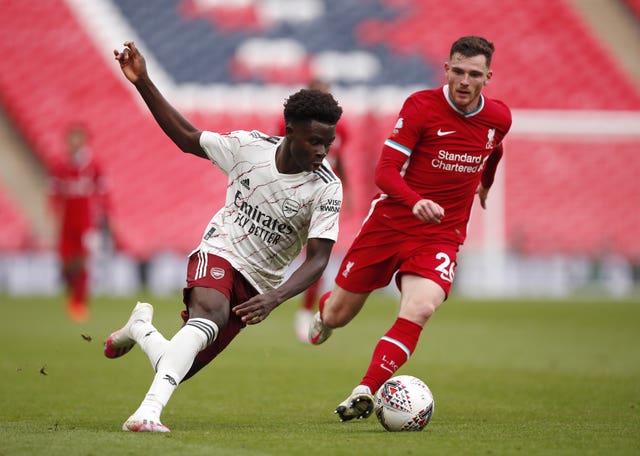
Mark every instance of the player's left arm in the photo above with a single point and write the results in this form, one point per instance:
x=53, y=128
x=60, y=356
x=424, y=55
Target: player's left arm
x=259, y=307
x=488, y=175
x=54, y=194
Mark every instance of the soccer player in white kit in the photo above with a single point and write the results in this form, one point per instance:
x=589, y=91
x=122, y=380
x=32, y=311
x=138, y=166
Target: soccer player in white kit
x=281, y=195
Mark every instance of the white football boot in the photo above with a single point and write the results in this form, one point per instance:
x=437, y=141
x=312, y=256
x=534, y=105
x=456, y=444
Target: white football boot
x=358, y=405
x=318, y=332
x=302, y=323
x=121, y=341
x=138, y=424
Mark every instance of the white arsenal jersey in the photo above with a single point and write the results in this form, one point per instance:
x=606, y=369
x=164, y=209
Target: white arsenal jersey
x=268, y=216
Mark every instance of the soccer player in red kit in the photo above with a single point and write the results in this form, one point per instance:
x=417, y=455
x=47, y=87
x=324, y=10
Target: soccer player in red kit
x=79, y=200
x=443, y=150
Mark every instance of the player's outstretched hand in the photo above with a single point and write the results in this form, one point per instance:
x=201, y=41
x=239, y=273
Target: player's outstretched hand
x=428, y=211
x=131, y=62
x=256, y=309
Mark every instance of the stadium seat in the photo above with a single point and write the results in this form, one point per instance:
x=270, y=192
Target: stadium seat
x=15, y=232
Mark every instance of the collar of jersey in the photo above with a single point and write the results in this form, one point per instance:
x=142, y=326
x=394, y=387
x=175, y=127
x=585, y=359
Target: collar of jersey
x=445, y=90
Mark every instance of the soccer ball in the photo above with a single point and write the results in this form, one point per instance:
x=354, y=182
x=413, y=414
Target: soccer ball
x=404, y=403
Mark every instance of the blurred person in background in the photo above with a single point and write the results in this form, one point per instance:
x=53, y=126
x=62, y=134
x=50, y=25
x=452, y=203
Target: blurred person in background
x=443, y=150
x=79, y=199
x=304, y=315
x=281, y=195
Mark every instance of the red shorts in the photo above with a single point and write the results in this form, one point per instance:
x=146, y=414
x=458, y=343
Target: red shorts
x=210, y=271
x=378, y=252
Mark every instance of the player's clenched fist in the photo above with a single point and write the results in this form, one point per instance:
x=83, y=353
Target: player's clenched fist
x=428, y=211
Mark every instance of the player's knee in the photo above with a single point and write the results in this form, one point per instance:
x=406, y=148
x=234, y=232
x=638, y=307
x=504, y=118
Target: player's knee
x=428, y=309
x=419, y=311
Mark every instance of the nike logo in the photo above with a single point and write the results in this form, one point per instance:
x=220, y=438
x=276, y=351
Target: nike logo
x=386, y=368
x=444, y=133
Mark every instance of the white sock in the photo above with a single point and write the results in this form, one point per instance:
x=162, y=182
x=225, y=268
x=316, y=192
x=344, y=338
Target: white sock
x=151, y=341
x=176, y=361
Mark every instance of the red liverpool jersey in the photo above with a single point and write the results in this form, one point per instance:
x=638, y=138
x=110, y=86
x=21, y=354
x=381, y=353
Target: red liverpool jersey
x=438, y=152
x=79, y=193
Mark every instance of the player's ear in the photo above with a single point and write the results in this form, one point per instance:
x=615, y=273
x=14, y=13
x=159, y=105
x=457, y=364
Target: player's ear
x=489, y=75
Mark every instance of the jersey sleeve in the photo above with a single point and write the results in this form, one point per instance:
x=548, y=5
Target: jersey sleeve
x=389, y=178
x=326, y=210
x=221, y=149
x=396, y=152
x=489, y=172
x=503, y=116
x=408, y=128
x=102, y=191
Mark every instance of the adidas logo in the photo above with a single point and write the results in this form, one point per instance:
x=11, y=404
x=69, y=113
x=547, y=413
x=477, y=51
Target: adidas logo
x=245, y=183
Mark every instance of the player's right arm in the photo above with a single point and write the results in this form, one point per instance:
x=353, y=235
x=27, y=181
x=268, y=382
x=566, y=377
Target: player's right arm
x=389, y=179
x=182, y=132
x=396, y=152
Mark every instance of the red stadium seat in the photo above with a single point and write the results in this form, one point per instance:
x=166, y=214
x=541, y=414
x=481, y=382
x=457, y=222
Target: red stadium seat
x=14, y=229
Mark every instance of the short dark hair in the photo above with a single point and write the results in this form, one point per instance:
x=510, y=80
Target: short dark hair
x=470, y=46
x=312, y=105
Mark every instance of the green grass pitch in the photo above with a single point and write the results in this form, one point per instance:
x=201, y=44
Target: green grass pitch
x=521, y=377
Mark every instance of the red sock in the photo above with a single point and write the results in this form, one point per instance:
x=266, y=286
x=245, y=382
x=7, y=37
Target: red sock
x=391, y=352
x=79, y=287
x=309, y=299
x=323, y=298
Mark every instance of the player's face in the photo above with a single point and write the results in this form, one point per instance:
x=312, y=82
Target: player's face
x=466, y=77
x=75, y=140
x=310, y=143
